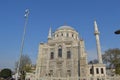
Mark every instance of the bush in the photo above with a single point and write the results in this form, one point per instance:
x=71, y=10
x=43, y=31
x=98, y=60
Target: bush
x=6, y=73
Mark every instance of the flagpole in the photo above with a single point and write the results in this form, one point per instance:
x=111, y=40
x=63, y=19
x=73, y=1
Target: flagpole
x=22, y=43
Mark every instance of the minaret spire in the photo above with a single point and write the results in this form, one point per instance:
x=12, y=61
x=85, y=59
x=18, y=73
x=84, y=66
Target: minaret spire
x=98, y=42
x=96, y=27
x=50, y=33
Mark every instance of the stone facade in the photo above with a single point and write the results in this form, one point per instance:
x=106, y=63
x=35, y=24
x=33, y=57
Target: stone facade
x=64, y=55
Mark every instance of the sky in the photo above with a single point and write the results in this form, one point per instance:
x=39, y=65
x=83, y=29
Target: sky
x=79, y=14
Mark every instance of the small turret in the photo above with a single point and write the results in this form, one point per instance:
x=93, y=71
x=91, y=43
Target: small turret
x=50, y=33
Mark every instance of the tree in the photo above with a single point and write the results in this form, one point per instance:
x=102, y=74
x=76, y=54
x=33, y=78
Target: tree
x=111, y=57
x=25, y=65
x=93, y=61
x=25, y=60
x=6, y=73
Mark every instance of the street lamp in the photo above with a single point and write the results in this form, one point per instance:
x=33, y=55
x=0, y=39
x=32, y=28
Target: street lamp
x=117, y=32
x=22, y=43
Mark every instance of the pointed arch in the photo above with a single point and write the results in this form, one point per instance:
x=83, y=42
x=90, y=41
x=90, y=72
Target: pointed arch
x=59, y=51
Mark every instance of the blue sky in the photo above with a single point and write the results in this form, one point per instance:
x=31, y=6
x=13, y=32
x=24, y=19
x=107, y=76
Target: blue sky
x=79, y=14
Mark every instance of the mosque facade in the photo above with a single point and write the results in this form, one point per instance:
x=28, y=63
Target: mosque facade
x=64, y=55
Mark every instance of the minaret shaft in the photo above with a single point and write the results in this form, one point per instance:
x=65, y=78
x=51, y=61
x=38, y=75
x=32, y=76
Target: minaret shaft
x=98, y=49
x=50, y=34
x=98, y=43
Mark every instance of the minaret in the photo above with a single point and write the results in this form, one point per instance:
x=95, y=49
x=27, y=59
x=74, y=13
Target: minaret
x=98, y=42
x=50, y=34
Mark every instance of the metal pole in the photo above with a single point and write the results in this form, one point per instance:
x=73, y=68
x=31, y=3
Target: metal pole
x=22, y=43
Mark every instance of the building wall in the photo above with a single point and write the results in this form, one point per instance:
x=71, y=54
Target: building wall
x=66, y=39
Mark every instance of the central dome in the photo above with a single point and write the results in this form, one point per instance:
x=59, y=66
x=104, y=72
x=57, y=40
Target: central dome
x=66, y=32
x=65, y=27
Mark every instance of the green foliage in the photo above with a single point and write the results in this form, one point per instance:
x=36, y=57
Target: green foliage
x=25, y=65
x=25, y=60
x=93, y=61
x=117, y=69
x=6, y=73
x=27, y=68
x=112, y=59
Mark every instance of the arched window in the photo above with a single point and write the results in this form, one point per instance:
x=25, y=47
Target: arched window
x=61, y=34
x=67, y=34
x=51, y=73
x=52, y=55
x=97, y=70
x=102, y=71
x=69, y=72
x=59, y=51
x=72, y=35
x=91, y=71
x=57, y=35
x=68, y=55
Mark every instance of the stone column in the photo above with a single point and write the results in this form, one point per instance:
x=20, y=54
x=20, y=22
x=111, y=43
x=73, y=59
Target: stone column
x=64, y=60
x=72, y=59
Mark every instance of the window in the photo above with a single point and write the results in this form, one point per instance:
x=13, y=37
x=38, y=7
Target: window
x=72, y=35
x=61, y=34
x=91, y=71
x=67, y=35
x=98, y=79
x=69, y=72
x=97, y=70
x=52, y=55
x=68, y=55
x=60, y=51
x=51, y=72
x=102, y=71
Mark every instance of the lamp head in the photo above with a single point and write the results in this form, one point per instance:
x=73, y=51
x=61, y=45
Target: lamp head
x=117, y=32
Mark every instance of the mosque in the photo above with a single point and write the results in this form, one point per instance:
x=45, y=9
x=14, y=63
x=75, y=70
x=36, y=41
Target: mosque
x=64, y=55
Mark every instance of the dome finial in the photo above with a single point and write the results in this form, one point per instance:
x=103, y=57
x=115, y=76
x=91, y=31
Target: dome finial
x=65, y=24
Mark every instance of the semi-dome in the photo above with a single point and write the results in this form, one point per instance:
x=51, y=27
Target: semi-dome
x=65, y=27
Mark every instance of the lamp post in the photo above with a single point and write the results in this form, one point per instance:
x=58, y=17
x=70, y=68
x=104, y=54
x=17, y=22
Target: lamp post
x=22, y=43
x=117, y=32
